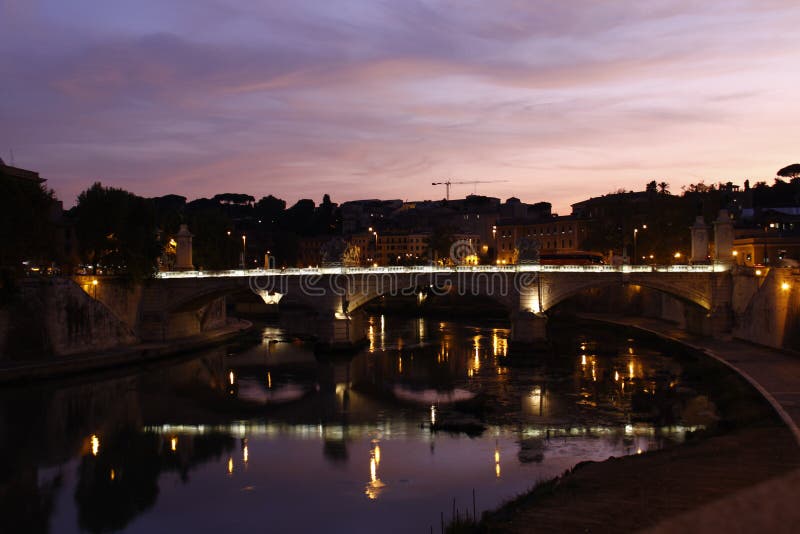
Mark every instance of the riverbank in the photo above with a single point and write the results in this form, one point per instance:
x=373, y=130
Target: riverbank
x=636, y=492
x=716, y=482
x=24, y=371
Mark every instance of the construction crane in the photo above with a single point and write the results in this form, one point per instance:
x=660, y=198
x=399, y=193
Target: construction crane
x=448, y=183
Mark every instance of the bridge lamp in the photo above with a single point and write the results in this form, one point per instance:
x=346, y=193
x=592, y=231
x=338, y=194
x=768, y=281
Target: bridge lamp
x=758, y=272
x=785, y=286
x=677, y=255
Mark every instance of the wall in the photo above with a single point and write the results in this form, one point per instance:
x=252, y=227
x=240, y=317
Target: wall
x=121, y=298
x=54, y=317
x=766, y=313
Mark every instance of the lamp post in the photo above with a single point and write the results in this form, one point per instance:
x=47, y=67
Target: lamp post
x=375, y=234
x=635, y=235
x=244, y=251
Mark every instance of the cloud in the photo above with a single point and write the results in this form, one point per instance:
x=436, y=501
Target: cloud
x=368, y=99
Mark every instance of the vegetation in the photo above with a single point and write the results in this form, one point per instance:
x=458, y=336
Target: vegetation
x=117, y=231
x=27, y=230
x=790, y=171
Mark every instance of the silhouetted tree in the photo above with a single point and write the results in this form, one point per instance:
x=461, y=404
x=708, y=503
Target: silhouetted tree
x=116, y=229
x=269, y=210
x=26, y=228
x=790, y=171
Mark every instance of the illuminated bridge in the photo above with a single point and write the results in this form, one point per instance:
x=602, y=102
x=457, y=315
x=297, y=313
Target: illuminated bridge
x=176, y=304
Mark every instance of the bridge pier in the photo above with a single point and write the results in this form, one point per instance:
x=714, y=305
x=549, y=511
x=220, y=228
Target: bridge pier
x=338, y=332
x=528, y=332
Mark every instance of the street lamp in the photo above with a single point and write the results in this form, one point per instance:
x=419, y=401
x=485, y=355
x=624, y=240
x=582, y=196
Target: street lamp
x=376, y=241
x=635, y=235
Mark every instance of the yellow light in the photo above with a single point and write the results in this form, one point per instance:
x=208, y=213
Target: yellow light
x=377, y=455
x=94, y=282
x=433, y=415
x=95, y=445
x=231, y=377
x=583, y=359
x=373, y=469
x=496, y=456
x=400, y=365
x=630, y=369
x=497, y=470
x=173, y=444
x=112, y=475
x=735, y=252
x=230, y=465
x=638, y=451
x=785, y=286
x=269, y=379
x=616, y=376
x=758, y=272
x=677, y=255
x=245, y=454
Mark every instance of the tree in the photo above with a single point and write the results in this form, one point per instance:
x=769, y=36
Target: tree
x=651, y=187
x=663, y=188
x=27, y=232
x=269, y=209
x=790, y=171
x=116, y=230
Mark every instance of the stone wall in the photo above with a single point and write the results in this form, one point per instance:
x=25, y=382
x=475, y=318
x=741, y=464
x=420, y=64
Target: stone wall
x=55, y=317
x=766, y=308
x=121, y=298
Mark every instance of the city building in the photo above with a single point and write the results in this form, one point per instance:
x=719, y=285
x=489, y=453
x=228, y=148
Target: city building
x=555, y=235
x=773, y=239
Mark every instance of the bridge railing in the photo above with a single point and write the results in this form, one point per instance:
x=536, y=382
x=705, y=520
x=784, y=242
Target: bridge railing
x=397, y=269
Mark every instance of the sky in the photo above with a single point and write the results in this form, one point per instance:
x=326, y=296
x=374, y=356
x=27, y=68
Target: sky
x=556, y=100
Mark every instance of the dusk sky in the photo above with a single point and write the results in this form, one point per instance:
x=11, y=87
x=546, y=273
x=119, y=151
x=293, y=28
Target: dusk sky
x=365, y=99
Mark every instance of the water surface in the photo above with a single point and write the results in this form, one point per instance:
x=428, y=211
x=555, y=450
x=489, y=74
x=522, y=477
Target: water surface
x=265, y=436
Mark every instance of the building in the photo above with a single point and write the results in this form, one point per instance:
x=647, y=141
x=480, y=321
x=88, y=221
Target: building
x=393, y=248
x=773, y=240
x=554, y=235
x=7, y=172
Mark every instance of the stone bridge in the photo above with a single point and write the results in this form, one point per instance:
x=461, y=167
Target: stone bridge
x=176, y=303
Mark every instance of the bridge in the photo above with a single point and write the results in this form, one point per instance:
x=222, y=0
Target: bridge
x=177, y=304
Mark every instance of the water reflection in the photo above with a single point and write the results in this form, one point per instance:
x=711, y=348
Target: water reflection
x=375, y=486
x=271, y=419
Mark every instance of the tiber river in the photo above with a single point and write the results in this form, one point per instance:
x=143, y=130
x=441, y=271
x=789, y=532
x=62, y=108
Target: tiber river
x=260, y=436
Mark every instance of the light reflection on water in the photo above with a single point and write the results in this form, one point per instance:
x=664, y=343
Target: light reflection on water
x=269, y=436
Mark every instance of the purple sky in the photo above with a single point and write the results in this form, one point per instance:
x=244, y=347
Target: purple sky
x=360, y=99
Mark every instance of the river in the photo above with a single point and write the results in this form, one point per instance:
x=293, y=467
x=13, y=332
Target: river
x=261, y=435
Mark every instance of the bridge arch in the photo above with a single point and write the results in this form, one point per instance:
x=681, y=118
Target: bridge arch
x=493, y=286
x=696, y=292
